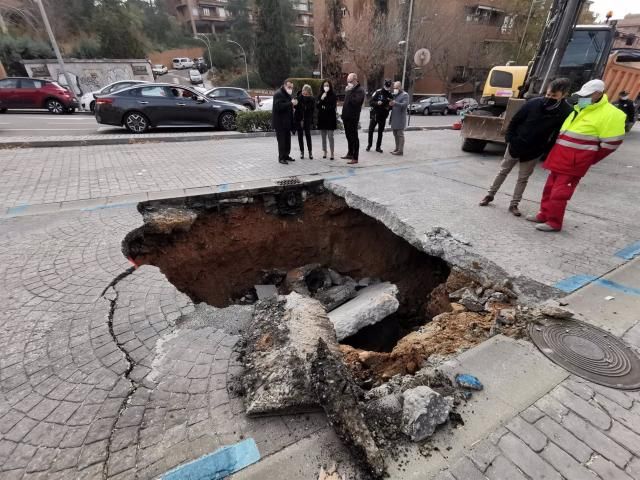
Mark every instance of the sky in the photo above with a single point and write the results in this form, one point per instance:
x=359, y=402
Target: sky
x=619, y=7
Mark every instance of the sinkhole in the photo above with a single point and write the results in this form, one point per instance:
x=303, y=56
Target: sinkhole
x=216, y=249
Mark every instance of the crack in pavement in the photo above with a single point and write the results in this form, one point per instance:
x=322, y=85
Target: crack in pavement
x=111, y=295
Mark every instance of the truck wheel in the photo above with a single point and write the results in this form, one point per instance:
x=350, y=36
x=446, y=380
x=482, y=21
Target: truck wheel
x=473, y=145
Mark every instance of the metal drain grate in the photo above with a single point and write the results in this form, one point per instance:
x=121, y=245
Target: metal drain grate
x=589, y=352
x=285, y=182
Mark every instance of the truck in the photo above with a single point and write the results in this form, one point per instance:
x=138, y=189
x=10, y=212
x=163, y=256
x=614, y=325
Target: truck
x=578, y=52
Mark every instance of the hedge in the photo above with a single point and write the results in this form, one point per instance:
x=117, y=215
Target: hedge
x=254, y=121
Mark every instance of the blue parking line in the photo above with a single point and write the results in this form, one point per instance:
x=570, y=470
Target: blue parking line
x=217, y=465
x=223, y=187
x=109, y=206
x=575, y=282
x=629, y=252
x=18, y=209
x=618, y=287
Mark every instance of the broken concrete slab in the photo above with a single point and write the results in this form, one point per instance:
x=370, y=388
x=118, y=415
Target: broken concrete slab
x=369, y=306
x=168, y=220
x=333, y=297
x=384, y=416
x=308, y=279
x=340, y=396
x=265, y=292
x=423, y=410
x=278, y=347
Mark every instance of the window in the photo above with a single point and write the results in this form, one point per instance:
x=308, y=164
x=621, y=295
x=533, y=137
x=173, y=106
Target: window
x=629, y=41
x=153, y=92
x=9, y=83
x=585, y=48
x=219, y=93
x=206, y=12
x=507, y=24
x=501, y=79
x=29, y=83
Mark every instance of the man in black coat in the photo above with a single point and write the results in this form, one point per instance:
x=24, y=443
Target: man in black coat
x=353, y=101
x=380, y=109
x=282, y=120
x=530, y=135
x=626, y=105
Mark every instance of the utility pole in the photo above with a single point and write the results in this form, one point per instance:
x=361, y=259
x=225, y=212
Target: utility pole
x=246, y=67
x=319, y=48
x=56, y=50
x=406, y=45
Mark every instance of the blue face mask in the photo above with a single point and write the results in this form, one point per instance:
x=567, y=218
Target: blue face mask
x=584, y=102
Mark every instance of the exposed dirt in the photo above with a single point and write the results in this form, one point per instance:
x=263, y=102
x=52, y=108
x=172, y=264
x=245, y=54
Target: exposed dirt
x=447, y=334
x=229, y=247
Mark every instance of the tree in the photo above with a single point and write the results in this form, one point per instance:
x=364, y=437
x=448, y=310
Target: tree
x=332, y=40
x=119, y=30
x=372, y=39
x=240, y=28
x=272, y=50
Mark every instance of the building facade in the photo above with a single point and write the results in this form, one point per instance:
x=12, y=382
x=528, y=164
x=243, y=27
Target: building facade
x=628, y=32
x=214, y=16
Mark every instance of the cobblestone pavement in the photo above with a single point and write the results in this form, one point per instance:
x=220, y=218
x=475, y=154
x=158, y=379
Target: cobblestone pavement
x=101, y=378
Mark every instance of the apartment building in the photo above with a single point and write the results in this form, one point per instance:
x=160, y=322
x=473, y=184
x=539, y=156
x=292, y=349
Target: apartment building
x=628, y=32
x=213, y=16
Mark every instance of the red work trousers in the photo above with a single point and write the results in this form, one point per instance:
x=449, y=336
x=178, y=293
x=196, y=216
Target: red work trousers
x=557, y=192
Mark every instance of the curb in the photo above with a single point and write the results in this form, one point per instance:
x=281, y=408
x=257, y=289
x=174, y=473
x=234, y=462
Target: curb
x=137, y=140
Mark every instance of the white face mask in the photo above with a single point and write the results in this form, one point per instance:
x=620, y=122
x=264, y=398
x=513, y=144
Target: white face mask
x=326, y=89
x=624, y=97
x=289, y=90
x=396, y=91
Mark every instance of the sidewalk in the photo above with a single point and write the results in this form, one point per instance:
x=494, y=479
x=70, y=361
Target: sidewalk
x=97, y=381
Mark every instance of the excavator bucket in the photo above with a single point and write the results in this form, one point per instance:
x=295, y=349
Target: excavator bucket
x=480, y=125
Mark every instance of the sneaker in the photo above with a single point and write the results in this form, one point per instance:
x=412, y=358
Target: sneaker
x=545, y=227
x=513, y=209
x=534, y=219
x=486, y=200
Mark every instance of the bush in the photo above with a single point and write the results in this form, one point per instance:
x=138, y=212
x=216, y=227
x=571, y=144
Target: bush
x=240, y=81
x=254, y=121
x=87, y=48
x=15, y=49
x=314, y=83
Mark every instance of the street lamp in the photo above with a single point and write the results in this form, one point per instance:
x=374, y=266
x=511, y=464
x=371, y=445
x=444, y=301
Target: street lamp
x=301, y=45
x=319, y=48
x=204, y=39
x=246, y=68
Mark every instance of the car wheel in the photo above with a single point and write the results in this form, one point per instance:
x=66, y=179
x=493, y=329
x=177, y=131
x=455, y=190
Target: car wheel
x=69, y=110
x=54, y=106
x=473, y=145
x=443, y=112
x=227, y=121
x=249, y=106
x=136, y=122
x=92, y=106
x=3, y=110
x=426, y=111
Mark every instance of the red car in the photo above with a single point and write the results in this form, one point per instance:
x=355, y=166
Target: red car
x=23, y=92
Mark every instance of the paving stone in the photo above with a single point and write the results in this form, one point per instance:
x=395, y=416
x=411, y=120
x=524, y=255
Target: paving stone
x=122, y=460
x=464, y=469
x=566, y=464
x=585, y=409
x=629, y=439
x=633, y=469
x=41, y=460
x=483, y=454
x=581, y=389
x=444, y=476
x=564, y=439
x=529, y=434
x=552, y=407
x=92, y=454
x=532, y=414
x=503, y=469
x=526, y=460
x=597, y=440
x=628, y=418
x=20, y=429
x=617, y=396
x=607, y=470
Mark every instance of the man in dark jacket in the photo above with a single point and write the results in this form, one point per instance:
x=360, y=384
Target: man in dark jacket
x=626, y=105
x=353, y=100
x=380, y=108
x=282, y=120
x=530, y=135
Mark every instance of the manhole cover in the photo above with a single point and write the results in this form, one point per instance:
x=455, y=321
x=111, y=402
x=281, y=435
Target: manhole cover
x=589, y=352
x=288, y=181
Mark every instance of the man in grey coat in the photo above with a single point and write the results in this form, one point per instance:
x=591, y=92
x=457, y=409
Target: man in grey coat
x=399, y=106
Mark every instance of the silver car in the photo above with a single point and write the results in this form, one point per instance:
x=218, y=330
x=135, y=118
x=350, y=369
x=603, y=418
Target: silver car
x=430, y=105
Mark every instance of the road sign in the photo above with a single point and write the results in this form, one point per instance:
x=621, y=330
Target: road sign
x=422, y=57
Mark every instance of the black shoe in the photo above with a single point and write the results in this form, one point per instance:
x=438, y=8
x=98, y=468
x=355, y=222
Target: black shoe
x=283, y=161
x=291, y=159
x=486, y=201
x=301, y=155
x=324, y=155
x=379, y=150
x=368, y=148
x=513, y=209
x=347, y=157
x=310, y=156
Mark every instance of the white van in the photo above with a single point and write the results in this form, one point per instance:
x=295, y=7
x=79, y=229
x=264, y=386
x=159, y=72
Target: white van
x=182, y=63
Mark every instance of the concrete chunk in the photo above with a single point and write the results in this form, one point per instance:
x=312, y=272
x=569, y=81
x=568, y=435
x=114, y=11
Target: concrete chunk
x=370, y=305
x=333, y=297
x=423, y=410
x=266, y=291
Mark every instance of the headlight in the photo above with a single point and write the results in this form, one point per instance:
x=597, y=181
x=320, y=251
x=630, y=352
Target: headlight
x=242, y=108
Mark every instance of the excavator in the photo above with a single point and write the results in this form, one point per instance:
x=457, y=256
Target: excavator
x=578, y=52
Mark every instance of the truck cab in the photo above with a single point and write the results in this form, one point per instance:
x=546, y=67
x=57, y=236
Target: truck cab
x=503, y=83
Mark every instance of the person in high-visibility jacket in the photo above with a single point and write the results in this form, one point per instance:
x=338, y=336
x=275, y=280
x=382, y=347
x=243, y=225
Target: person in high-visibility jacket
x=593, y=131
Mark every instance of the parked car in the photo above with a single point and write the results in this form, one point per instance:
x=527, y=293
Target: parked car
x=181, y=63
x=234, y=95
x=460, y=105
x=24, y=92
x=88, y=100
x=142, y=107
x=430, y=105
x=265, y=103
x=159, y=69
x=195, y=77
